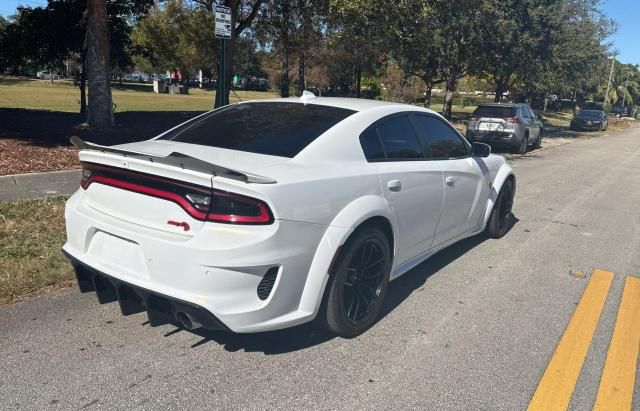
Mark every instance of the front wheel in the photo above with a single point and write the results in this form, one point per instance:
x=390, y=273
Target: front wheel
x=359, y=284
x=500, y=218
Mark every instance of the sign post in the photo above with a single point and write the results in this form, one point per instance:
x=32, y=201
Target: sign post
x=223, y=32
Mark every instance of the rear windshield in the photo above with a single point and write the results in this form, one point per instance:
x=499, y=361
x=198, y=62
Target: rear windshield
x=495, y=112
x=272, y=128
x=590, y=114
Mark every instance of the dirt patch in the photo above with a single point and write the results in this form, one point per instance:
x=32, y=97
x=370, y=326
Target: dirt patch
x=18, y=157
x=37, y=140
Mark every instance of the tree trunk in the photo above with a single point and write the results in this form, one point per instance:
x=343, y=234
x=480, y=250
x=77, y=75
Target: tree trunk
x=499, y=92
x=448, y=98
x=284, y=45
x=100, y=113
x=83, y=85
x=284, y=77
x=427, y=92
x=358, y=80
x=301, y=67
x=500, y=88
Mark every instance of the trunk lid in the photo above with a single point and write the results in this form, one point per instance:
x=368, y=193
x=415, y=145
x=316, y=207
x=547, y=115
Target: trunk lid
x=130, y=182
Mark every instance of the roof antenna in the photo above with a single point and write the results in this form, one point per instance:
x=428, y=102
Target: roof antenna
x=307, y=96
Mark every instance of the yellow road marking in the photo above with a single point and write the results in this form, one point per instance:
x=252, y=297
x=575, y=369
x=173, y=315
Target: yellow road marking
x=559, y=380
x=618, y=377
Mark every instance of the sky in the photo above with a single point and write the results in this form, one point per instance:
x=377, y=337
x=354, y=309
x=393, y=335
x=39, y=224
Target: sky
x=626, y=12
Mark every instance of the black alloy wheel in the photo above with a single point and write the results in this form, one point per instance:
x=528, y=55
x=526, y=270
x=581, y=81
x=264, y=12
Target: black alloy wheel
x=359, y=284
x=500, y=220
x=365, y=277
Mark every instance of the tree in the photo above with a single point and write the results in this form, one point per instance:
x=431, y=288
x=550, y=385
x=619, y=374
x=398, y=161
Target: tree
x=355, y=35
x=45, y=36
x=276, y=29
x=243, y=13
x=176, y=36
x=100, y=113
x=625, y=86
x=457, y=41
x=410, y=25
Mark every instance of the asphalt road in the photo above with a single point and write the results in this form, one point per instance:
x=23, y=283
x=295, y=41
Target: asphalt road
x=472, y=328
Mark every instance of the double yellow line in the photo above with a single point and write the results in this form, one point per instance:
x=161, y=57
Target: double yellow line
x=618, y=378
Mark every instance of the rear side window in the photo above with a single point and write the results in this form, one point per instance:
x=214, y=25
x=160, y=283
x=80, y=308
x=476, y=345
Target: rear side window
x=442, y=141
x=399, y=139
x=272, y=128
x=495, y=112
x=371, y=145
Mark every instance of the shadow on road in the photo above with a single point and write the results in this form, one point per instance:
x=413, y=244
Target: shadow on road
x=309, y=335
x=53, y=128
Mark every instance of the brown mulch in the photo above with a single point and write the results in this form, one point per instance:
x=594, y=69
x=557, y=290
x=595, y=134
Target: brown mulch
x=37, y=140
x=18, y=157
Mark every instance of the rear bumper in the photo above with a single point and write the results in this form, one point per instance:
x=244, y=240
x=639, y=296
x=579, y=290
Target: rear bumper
x=585, y=127
x=220, y=273
x=507, y=137
x=161, y=309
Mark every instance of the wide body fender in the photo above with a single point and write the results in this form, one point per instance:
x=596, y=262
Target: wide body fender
x=337, y=233
x=500, y=172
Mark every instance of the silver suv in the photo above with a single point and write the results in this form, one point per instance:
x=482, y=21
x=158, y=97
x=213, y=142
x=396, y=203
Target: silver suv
x=512, y=125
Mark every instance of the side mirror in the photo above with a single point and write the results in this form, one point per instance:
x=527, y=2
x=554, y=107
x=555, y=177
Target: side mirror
x=480, y=149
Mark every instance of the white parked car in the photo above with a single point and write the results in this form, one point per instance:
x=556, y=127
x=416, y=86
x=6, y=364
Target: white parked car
x=46, y=75
x=267, y=214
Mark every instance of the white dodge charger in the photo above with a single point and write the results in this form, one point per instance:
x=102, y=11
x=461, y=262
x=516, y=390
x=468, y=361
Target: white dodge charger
x=267, y=214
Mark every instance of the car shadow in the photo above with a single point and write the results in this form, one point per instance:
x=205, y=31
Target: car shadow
x=54, y=128
x=308, y=335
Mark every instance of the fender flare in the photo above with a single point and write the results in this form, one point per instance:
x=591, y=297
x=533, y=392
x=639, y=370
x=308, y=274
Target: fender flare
x=503, y=174
x=337, y=233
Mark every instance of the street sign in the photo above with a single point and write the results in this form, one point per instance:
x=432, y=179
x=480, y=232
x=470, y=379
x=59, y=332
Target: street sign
x=223, y=22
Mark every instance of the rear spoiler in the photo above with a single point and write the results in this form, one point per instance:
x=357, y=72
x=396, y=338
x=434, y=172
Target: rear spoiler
x=179, y=160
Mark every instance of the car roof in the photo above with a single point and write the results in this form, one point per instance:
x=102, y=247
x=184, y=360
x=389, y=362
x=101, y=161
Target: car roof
x=508, y=105
x=355, y=104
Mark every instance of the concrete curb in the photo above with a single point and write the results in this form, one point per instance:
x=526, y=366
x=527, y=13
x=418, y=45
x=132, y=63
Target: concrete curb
x=39, y=185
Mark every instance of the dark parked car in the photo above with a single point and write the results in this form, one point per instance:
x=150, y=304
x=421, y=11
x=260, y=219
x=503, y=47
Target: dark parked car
x=620, y=111
x=590, y=120
x=512, y=125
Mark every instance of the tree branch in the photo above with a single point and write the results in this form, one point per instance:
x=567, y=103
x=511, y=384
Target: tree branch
x=243, y=24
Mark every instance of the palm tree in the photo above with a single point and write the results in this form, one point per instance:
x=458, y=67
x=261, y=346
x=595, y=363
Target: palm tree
x=625, y=88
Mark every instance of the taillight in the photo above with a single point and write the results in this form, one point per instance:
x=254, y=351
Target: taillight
x=201, y=203
x=474, y=118
x=234, y=208
x=514, y=120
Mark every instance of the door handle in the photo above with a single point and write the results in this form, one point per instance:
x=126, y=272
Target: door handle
x=450, y=181
x=394, y=185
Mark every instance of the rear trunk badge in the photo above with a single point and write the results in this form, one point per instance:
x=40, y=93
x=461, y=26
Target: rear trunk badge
x=185, y=226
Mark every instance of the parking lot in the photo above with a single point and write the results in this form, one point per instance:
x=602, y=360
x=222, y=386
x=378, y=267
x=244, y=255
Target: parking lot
x=474, y=327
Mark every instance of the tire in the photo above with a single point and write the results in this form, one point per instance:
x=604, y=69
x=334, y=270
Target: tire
x=500, y=218
x=538, y=141
x=354, y=300
x=524, y=144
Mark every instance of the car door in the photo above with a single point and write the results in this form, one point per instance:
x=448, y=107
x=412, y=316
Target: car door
x=411, y=185
x=533, y=124
x=465, y=178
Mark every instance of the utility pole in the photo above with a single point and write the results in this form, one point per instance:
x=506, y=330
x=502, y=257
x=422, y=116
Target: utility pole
x=606, y=94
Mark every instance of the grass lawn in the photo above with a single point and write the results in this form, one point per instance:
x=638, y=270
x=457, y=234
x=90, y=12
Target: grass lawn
x=32, y=234
x=63, y=96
